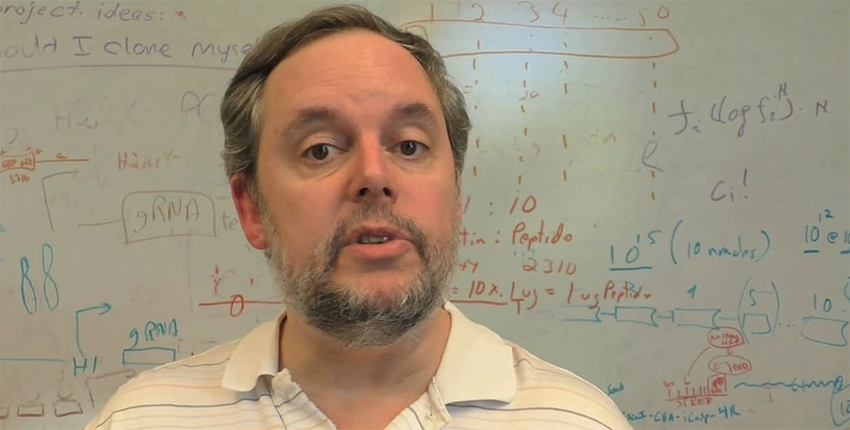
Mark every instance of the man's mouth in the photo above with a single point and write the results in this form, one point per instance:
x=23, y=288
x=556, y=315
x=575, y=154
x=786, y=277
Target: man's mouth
x=378, y=242
x=374, y=235
x=368, y=239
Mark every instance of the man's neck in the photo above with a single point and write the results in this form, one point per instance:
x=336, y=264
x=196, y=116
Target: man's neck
x=320, y=364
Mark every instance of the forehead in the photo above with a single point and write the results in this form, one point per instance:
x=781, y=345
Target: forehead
x=350, y=70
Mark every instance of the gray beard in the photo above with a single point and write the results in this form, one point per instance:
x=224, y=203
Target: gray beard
x=357, y=319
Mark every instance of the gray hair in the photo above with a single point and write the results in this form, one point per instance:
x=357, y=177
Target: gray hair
x=240, y=107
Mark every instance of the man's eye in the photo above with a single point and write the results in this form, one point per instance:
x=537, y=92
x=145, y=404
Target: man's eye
x=408, y=147
x=319, y=152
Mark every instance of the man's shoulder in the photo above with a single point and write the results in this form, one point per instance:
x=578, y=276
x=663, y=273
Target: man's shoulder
x=539, y=394
x=541, y=384
x=198, y=371
x=170, y=384
x=533, y=372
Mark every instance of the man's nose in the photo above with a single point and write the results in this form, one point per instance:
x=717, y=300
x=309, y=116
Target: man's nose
x=373, y=177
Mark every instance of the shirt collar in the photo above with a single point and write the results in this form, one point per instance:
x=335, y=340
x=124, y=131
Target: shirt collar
x=255, y=355
x=476, y=364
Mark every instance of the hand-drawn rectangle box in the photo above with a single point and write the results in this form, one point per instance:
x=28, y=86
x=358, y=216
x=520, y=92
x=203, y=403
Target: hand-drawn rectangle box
x=825, y=331
x=35, y=410
x=636, y=314
x=153, y=356
x=509, y=38
x=67, y=407
x=692, y=317
x=148, y=215
x=17, y=162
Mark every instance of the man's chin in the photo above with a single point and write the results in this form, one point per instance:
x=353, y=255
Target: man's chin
x=373, y=314
x=379, y=286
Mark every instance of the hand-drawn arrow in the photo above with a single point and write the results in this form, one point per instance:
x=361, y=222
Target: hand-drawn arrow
x=105, y=307
x=687, y=378
x=73, y=173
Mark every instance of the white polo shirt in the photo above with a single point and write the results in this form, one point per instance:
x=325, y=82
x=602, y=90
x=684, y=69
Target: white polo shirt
x=483, y=382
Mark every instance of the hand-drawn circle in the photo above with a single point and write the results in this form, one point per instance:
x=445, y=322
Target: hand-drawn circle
x=730, y=365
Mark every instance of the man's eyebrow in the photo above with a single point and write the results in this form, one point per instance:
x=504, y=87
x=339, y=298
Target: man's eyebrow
x=318, y=114
x=309, y=115
x=416, y=110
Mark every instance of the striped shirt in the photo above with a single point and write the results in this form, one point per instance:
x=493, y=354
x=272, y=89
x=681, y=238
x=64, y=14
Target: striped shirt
x=483, y=382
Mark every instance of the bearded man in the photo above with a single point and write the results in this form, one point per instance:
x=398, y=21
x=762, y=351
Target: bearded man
x=344, y=145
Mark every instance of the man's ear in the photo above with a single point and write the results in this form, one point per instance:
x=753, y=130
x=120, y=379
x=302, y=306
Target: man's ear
x=248, y=211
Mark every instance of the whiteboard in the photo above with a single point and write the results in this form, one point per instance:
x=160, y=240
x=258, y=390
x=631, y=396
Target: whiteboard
x=655, y=197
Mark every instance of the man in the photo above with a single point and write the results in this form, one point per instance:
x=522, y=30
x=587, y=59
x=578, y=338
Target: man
x=344, y=144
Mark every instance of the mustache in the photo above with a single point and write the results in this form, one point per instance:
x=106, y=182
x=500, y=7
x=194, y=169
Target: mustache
x=374, y=213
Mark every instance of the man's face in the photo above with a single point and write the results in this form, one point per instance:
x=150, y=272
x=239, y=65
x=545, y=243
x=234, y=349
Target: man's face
x=359, y=198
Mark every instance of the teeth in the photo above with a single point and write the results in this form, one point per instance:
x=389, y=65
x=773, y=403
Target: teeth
x=367, y=239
